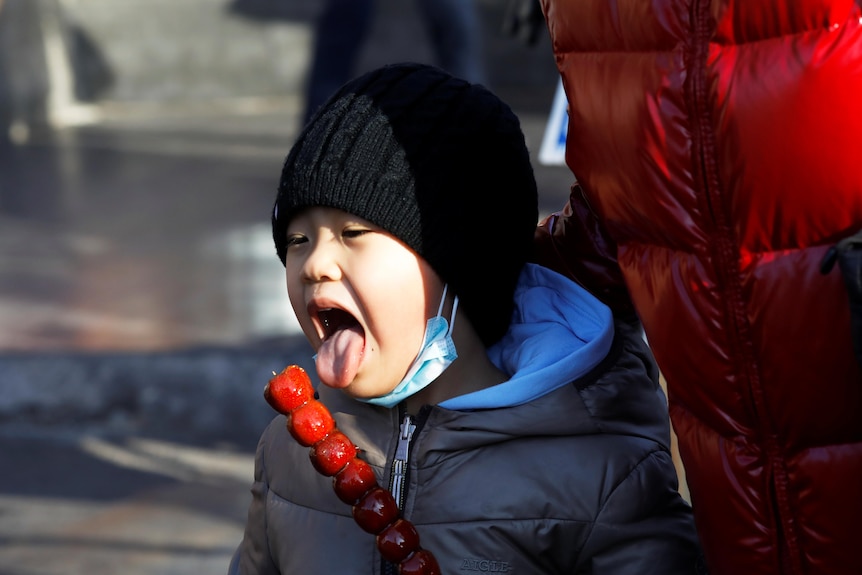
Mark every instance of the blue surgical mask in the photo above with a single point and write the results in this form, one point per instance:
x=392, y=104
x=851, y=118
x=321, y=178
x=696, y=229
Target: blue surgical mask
x=436, y=354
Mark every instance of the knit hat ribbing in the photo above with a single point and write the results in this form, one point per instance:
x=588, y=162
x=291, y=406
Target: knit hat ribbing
x=440, y=164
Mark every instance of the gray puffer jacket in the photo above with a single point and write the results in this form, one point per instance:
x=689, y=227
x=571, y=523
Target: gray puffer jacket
x=574, y=478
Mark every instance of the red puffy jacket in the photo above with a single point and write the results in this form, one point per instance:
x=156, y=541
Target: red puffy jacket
x=719, y=143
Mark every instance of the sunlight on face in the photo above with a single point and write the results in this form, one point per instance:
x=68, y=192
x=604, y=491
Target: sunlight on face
x=346, y=274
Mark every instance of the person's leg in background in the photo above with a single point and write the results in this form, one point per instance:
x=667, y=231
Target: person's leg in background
x=340, y=34
x=455, y=31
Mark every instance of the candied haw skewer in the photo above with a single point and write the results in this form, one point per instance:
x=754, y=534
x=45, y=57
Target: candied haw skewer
x=421, y=562
x=375, y=510
x=354, y=481
x=289, y=389
x=310, y=423
x=333, y=454
x=398, y=540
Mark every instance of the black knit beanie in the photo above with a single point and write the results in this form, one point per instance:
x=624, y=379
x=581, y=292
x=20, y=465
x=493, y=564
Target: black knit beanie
x=439, y=163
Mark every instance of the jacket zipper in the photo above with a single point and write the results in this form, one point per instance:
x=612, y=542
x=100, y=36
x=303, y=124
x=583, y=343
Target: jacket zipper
x=725, y=253
x=398, y=478
x=401, y=461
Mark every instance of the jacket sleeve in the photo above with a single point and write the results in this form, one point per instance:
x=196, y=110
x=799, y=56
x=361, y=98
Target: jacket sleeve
x=253, y=557
x=574, y=242
x=645, y=527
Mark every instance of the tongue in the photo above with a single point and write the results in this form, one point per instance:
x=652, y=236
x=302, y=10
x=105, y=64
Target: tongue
x=339, y=356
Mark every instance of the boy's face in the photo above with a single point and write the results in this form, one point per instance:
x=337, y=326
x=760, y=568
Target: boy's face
x=361, y=296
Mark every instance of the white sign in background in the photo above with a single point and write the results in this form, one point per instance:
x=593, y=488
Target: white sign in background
x=553, y=149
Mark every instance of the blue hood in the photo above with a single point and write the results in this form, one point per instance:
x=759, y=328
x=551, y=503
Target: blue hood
x=559, y=332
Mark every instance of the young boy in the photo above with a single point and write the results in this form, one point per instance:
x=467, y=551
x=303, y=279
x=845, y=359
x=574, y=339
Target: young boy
x=519, y=429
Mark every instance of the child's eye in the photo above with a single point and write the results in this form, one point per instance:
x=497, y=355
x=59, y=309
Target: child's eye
x=295, y=240
x=351, y=233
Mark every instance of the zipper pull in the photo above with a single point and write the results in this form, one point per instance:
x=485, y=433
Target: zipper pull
x=402, y=456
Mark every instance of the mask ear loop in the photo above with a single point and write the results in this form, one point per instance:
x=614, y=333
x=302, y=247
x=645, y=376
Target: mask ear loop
x=454, y=309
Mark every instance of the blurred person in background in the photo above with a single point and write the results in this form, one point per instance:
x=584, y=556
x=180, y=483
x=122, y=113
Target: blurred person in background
x=716, y=144
x=453, y=27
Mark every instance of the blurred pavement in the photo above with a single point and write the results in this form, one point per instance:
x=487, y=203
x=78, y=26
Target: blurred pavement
x=142, y=308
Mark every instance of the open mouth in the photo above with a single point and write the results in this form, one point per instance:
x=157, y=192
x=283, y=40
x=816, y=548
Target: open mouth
x=333, y=320
x=342, y=346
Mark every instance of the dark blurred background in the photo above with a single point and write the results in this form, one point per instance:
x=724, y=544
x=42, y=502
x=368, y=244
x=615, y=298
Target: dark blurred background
x=142, y=307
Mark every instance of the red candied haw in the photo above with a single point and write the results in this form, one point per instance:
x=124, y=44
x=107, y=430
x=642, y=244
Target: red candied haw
x=310, y=423
x=289, y=389
x=354, y=481
x=420, y=563
x=331, y=454
x=375, y=510
x=398, y=540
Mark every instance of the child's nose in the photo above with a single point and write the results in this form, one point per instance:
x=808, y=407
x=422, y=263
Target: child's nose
x=321, y=264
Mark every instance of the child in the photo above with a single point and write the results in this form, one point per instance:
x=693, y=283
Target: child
x=529, y=434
